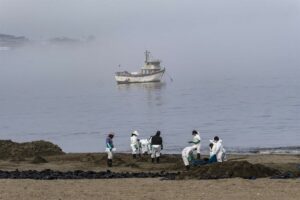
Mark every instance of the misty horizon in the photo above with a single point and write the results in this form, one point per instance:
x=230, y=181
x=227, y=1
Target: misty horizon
x=231, y=34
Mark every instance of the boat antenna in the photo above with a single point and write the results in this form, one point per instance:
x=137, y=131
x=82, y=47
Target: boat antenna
x=171, y=79
x=147, y=56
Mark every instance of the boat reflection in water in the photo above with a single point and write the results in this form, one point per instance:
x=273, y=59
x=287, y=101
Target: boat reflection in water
x=148, y=96
x=142, y=86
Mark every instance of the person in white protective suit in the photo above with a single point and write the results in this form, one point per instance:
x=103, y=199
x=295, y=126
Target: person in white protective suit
x=187, y=155
x=218, y=149
x=196, y=142
x=134, y=144
x=145, y=146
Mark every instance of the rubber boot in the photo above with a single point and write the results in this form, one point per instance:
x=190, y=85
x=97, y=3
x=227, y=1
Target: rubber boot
x=157, y=160
x=109, y=162
x=134, y=156
x=187, y=167
x=198, y=156
x=152, y=159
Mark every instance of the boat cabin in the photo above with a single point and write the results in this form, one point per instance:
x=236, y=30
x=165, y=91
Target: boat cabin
x=150, y=66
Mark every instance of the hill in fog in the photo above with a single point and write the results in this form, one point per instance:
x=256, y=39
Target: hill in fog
x=11, y=41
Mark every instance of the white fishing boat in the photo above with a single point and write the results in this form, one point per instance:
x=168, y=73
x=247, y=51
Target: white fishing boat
x=150, y=72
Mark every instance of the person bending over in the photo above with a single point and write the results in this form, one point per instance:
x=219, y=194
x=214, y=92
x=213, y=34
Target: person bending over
x=187, y=156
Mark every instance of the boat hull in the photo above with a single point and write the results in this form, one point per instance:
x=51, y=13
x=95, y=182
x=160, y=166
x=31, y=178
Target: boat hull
x=155, y=77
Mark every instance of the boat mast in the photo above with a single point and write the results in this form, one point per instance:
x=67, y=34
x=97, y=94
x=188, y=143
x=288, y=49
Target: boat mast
x=147, y=56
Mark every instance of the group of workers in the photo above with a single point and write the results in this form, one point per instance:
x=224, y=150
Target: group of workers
x=154, y=145
x=217, y=153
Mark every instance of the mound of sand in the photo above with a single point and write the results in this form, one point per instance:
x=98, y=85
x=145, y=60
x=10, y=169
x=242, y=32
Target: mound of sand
x=230, y=169
x=38, y=160
x=11, y=150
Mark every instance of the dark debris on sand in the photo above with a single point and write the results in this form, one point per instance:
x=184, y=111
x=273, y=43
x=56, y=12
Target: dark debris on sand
x=230, y=169
x=78, y=174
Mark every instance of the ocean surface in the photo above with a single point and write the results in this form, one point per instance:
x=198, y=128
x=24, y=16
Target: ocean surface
x=73, y=101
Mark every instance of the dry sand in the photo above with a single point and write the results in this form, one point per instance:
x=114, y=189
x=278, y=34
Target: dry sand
x=154, y=189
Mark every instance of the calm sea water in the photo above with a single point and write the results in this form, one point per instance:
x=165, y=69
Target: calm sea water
x=75, y=103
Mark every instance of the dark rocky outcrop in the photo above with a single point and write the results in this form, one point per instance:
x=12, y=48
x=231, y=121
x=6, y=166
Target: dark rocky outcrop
x=12, y=150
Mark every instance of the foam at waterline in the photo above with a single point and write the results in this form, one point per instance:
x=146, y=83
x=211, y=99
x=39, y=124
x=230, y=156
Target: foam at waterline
x=265, y=150
x=243, y=150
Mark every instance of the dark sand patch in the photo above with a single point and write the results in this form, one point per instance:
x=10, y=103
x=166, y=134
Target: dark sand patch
x=38, y=160
x=230, y=169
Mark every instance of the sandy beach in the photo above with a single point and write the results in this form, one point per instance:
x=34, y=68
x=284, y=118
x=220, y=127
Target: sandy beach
x=264, y=189
x=41, y=155
x=146, y=188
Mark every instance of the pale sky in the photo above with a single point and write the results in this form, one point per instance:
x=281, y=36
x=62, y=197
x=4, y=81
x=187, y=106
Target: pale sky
x=48, y=18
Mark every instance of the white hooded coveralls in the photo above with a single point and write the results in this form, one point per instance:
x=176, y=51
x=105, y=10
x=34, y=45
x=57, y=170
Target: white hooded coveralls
x=186, y=153
x=134, y=144
x=218, y=150
x=197, y=142
x=145, y=146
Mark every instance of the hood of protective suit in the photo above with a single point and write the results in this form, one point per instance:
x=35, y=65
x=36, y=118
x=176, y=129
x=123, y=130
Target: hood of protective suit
x=212, y=141
x=111, y=134
x=135, y=133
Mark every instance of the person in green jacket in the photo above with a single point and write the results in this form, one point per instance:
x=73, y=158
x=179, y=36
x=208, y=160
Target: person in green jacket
x=110, y=148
